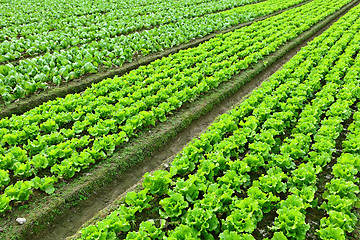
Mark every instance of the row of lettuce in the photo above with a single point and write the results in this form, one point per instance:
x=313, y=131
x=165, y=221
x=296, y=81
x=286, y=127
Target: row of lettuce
x=60, y=138
x=264, y=158
x=30, y=75
x=342, y=191
x=80, y=31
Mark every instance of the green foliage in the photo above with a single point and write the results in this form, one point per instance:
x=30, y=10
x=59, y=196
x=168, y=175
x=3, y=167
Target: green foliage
x=139, y=199
x=204, y=221
x=275, y=181
x=331, y=233
x=20, y=191
x=158, y=182
x=147, y=230
x=244, y=216
x=45, y=184
x=173, y=206
x=227, y=235
x=291, y=221
x=4, y=177
x=183, y=232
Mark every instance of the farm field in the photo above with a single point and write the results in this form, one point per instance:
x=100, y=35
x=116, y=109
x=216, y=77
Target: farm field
x=279, y=162
x=55, y=54
x=259, y=171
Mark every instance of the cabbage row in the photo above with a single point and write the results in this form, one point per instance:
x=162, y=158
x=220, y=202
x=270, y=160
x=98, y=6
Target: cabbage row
x=263, y=158
x=60, y=138
x=20, y=12
x=29, y=40
x=30, y=75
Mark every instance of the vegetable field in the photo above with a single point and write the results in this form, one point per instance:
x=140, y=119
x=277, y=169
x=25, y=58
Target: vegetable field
x=264, y=158
x=75, y=51
x=283, y=163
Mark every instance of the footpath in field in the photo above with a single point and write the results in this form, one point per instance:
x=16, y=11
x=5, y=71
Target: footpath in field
x=90, y=50
x=64, y=123
x=260, y=164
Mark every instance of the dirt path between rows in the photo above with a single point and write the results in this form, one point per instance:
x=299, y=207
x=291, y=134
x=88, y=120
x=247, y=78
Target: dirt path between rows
x=65, y=226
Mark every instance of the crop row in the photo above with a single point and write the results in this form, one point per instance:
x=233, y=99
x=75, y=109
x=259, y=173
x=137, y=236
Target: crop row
x=342, y=191
x=40, y=72
x=64, y=136
x=264, y=156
